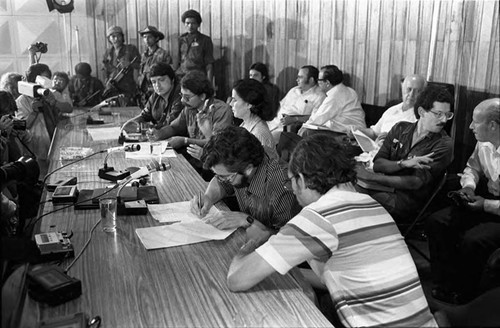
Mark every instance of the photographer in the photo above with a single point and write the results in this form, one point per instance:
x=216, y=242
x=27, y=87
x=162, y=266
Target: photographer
x=40, y=112
x=462, y=237
x=13, y=132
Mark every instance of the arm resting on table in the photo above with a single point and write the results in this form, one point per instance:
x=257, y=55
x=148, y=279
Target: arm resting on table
x=247, y=269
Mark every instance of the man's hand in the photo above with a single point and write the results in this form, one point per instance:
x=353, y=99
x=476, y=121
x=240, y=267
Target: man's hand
x=418, y=162
x=176, y=142
x=477, y=203
x=153, y=134
x=468, y=191
x=258, y=232
x=227, y=220
x=195, y=151
x=288, y=120
x=380, y=138
x=6, y=124
x=362, y=173
x=200, y=206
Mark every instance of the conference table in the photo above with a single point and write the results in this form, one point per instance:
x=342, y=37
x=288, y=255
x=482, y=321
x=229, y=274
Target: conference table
x=129, y=286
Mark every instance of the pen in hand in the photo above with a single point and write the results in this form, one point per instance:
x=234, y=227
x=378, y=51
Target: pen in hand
x=200, y=203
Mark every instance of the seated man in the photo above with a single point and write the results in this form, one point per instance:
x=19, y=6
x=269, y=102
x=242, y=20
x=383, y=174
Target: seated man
x=60, y=81
x=85, y=90
x=413, y=157
x=299, y=102
x=341, y=108
x=411, y=87
x=165, y=104
x=197, y=96
x=349, y=240
x=242, y=167
x=461, y=238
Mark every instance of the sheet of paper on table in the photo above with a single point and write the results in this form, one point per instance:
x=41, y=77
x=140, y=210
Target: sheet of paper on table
x=146, y=152
x=174, y=212
x=104, y=133
x=185, y=228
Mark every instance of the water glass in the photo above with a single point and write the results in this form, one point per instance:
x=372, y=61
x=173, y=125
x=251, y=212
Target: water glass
x=107, y=207
x=157, y=150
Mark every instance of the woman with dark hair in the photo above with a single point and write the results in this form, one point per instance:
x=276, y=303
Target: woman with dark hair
x=258, y=71
x=250, y=105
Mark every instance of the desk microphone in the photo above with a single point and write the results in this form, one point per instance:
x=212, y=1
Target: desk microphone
x=109, y=173
x=153, y=166
x=127, y=148
x=139, y=206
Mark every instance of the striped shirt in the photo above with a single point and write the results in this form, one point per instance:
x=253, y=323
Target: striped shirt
x=265, y=198
x=354, y=246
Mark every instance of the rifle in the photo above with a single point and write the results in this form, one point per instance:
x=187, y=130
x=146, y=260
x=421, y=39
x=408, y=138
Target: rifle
x=85, y=100
x=111, y=84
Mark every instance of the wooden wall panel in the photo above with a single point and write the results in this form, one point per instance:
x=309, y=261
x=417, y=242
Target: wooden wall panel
x=375, y=42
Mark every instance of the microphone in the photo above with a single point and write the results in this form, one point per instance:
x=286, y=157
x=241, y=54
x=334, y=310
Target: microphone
x=153, y=166
x=137, y=207
x=109, y=173
x=127, y=148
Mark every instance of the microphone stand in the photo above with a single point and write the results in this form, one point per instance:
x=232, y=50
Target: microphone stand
x=109, y=173
x=139, y=206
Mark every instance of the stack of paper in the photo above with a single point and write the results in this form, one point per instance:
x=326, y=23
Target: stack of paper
x=183, y=227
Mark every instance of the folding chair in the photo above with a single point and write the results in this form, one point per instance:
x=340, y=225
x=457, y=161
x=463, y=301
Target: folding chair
x=422, y=214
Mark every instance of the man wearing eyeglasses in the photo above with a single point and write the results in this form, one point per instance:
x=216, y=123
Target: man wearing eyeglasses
x=199, y=106
x=164, y=105
x=351, y=243
x=413, y=157
x=242, y=168
x=341, y=109
x=463, y=236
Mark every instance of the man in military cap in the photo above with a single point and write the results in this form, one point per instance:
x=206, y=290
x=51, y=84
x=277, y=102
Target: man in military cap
x=120, y=78
x=153, y=54
x=195, y=49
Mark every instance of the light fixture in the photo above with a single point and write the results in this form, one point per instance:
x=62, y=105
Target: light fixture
x=62, y=6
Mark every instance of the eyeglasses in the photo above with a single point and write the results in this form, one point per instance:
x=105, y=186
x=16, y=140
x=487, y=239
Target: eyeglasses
x=440, y=115
x=186, y=97
x=321, y=80
x=226, y=178
x=287, y=184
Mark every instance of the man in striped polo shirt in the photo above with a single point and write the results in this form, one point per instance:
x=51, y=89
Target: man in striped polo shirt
x=349, y=240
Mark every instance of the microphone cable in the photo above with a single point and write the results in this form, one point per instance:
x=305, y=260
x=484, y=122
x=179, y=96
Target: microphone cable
x=84, y=246
x=33, y=222
x=121, y=185
x=71, y=163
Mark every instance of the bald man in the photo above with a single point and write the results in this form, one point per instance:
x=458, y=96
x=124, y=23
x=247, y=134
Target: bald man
x=411, y=87
x=462, y=237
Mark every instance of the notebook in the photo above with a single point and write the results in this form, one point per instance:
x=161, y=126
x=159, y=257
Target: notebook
x=365, y=142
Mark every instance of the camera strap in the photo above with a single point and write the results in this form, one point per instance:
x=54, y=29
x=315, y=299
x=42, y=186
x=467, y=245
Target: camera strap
x=25, y=146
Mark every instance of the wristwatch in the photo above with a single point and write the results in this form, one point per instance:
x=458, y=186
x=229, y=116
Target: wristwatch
x=250, y=220
x=400, y=163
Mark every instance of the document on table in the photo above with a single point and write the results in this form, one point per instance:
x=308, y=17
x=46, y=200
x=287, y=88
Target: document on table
x=185, y=228
x=176, y=212
x=146, y=151
x=104, y=133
